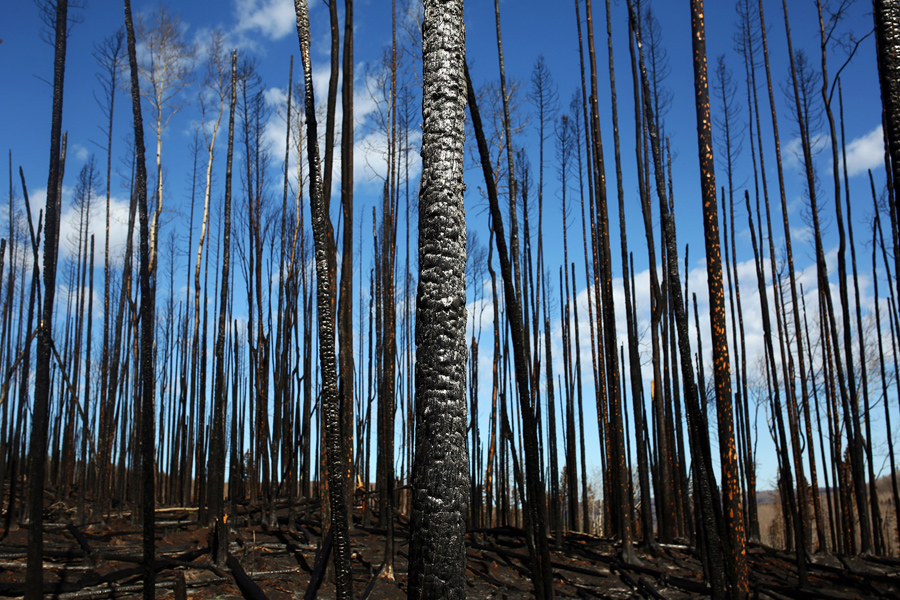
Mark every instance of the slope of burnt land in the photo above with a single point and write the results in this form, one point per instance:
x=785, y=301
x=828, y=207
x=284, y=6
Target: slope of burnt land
x=102, y=559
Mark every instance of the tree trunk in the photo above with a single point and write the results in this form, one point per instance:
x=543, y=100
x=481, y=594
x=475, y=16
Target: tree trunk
x=440, y=483
x=325, y=296
x=734, y=520
x=887, y=40
x=216, y=488
x=40, y=416
x=148, y=322
x=535, y=500
x=345, y=300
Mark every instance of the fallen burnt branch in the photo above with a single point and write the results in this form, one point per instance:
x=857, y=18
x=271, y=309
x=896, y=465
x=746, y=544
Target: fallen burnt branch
x=82, y=541
x=649, y=590
x=682, y=583
x=371, y=585
x=248, y=587
x=525, y=559
x=319, y=569
x=800, y=594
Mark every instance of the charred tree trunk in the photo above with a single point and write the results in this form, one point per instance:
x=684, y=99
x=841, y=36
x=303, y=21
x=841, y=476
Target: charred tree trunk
x=734, y=521
x=345, y=300
x=440, y=482
x=40, y=417
x=887, y=40
x=146, y=399
x=535, y=500
x=325, y=299
x=217, y=434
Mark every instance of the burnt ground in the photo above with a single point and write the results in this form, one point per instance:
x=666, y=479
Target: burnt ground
x=102, y=560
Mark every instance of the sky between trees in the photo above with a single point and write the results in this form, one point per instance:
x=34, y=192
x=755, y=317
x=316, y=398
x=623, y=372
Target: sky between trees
x=265, y=31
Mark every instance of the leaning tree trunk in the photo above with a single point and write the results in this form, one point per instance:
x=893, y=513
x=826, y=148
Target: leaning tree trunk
x=709, y=512
x=440, y=482
x=323, y=238
x=535, y=498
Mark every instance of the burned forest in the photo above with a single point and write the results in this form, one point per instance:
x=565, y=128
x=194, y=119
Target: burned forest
x=280, y=328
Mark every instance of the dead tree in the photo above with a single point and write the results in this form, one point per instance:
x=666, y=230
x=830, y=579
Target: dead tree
x=535, y=499
x=146, y=399
x=732, y=508
x=40, y=413
x=323, y=237
x=216, y=488
x=440, y=482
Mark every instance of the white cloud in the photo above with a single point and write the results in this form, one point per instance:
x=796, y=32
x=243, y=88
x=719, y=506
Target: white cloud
x=793, y=155
x=370, y=142
x=118, y=226
x=81, y=153
x=275, y=97
x=274, y=19
x=865, y=152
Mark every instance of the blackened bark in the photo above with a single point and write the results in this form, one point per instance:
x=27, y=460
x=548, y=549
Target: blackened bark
x=511, y=172
x=887, y=40
x=535, y=500
x=220, y=400
x=387, y=387
x=708, y=509
x=345, y=300
x=331, y=104
x=440, y=481
x=323, y=237
x=86, y=405
x=554, y=515
x=145, y=401
x=40, y=417
x=731, y=489
x=607, y=314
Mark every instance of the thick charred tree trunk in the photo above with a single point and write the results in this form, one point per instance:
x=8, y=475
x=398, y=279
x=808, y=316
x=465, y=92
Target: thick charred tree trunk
x=440, y=482
x=731, y=489
x=325, y=299
x=387, y=387
x=887, y=39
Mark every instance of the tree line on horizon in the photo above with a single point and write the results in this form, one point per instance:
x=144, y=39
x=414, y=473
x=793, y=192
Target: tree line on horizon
x=170, y=399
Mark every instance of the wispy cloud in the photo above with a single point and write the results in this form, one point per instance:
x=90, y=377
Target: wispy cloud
x=273, y=19
x=865, y=152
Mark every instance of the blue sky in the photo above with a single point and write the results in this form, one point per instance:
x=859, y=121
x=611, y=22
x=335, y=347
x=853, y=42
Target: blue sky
x=265, y=29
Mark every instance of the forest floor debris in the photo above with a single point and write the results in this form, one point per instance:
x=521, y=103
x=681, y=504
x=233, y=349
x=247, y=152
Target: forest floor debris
x=102, y=560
